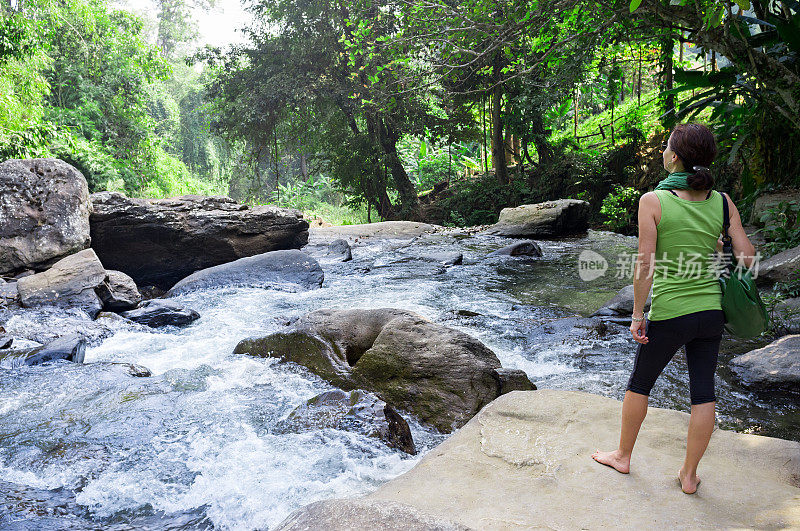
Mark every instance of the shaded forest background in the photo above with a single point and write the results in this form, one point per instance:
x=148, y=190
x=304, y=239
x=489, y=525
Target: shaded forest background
x=433, y=110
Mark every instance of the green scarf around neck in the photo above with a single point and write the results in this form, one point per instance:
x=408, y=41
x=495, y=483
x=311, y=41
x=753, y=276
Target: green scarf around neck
x=674, y=181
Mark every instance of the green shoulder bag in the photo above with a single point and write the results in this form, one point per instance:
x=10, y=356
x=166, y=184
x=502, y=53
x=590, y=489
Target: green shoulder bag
x=745, y=312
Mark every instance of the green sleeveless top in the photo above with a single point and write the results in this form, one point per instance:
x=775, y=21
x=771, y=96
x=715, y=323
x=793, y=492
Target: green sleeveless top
x=683, y=272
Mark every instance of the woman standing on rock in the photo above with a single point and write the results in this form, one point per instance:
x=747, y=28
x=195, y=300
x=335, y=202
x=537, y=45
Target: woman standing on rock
x=680, y=222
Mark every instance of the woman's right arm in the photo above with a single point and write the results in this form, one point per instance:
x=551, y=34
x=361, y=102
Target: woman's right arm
x=743, y=250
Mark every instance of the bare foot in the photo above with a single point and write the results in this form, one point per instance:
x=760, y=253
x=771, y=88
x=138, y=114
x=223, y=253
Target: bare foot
x=688, y=483
x=613, y=459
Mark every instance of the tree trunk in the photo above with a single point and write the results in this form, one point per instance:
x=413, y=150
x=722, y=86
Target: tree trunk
x=498, y=146
x=303, y=166
x=667, y=100
x=388, y=137
x=543, y=147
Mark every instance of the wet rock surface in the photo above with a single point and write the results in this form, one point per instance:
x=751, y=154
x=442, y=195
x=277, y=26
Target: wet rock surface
x=523, y=248
x=621, y=305
x=289, y=270
x=356, y=411
x=44, y=208
x=71, y=348
x=160, y=241
x=435, y=372
x=156, y=313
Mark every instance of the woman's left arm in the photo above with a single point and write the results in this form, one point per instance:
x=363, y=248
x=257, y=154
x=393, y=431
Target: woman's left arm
x=648, y=233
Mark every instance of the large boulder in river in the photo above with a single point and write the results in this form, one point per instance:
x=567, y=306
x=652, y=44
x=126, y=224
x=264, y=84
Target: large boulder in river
x=524, y=462
x=775, y=366
x=160, y=241
x=44, y=213
x=441, y=375
x=71, y=283
x=285, y=270
x=550, y=219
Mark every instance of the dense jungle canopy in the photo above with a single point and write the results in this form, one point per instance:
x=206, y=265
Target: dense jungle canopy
x=437, y=110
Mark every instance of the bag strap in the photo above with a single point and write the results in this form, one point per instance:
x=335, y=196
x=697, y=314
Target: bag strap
x=726, y=219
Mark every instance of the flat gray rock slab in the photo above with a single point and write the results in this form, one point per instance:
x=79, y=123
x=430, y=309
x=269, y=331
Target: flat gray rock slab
x=383, y=230
x=524, y=462
x=360, y=514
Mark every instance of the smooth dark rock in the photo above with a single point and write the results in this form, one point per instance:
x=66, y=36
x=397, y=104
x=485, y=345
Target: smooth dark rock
x=44, y=211
x=775, y=366
x=6, y=341
x=71, y=283
x=160, y=241
x=286, y=270
x=71, y=348
x=550, y=219
x=340, y=250
x=118, y=292
x=156, y=313
x=621, y=304
x=357, y=411
x=513, y=380
x=523, y=248
x=441, y=375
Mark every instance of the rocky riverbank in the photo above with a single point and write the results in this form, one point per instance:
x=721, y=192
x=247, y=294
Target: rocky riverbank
x=524, y=463
x=332, y=368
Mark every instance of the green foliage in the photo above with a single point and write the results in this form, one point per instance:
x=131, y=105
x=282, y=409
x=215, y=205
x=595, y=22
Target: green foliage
x=16, y=36
x=478, y=201
x=781, y=227
x=620, y=208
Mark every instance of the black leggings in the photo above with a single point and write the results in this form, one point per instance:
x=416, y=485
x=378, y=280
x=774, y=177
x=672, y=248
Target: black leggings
x=701, y=332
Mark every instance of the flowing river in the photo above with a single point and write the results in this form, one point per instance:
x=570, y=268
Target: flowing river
x=195, y=445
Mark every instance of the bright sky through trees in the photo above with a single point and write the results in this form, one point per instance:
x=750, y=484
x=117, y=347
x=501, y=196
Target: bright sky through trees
x=218, y=26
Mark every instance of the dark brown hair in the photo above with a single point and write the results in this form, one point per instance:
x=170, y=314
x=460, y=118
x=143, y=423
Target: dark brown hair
x=694, y=144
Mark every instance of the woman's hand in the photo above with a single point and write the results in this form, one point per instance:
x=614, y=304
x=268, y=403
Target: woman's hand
x=638, y=329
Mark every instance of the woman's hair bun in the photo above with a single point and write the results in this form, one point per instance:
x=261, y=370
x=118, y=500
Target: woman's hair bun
x=695, y=145
x=701, y=179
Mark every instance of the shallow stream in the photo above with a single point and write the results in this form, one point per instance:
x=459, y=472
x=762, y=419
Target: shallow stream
x=193, y=446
